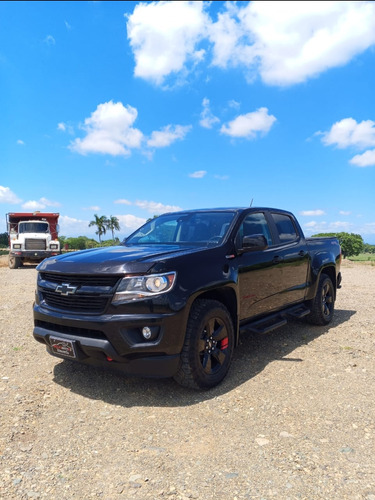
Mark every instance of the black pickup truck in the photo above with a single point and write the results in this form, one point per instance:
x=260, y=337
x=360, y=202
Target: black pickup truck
x=172, y=300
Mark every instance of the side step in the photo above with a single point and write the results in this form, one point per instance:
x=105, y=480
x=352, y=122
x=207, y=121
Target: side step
x=273, y=321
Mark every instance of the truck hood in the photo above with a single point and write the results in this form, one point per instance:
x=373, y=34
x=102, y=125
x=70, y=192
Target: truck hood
x=115, y=260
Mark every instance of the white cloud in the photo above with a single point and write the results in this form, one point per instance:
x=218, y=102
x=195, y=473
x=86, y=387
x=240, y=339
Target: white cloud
x=313, y=224
x=284, y=42
x=167, y=135
x=94, y=208
x=250, y=124
x=208, y=119
x=294, y=41
x=341, y=225
x=41, y=204
x=156, y=208
x=123, y=202
x=109, y=130
x=368, y=228
x=312, y=213
x=49, y=40
x=366, y=159
x=164, y=35
x=20, y=142
x=198, y=174
x=70, y=226
x=129, y=223
x=344, y=212
x=234, y=104
x=33, y=205
x=7, y=196
x=314, y=227
x=222, y=177
x=348, y=132
x=64, y=127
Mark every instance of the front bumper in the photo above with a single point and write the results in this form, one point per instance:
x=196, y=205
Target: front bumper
x=36, y=255
x=116, y=341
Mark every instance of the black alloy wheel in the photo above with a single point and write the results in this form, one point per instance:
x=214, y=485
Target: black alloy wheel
x=213, y=345
x=327, y=299
x=207, y=352
x=323, y=305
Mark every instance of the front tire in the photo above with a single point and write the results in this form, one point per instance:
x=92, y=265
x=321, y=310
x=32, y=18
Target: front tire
x=323, y=304
x=14, y=262
x=209, y=342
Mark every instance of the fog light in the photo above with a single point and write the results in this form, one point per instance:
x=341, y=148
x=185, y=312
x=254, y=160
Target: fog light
x=146, y=332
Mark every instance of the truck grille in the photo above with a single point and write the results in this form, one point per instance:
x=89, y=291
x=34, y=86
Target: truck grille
x=80, y=280
x=35, y=244
x=75, y=303
x=88, y=294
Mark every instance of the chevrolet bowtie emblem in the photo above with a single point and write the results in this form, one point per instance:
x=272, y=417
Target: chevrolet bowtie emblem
x=66, y=289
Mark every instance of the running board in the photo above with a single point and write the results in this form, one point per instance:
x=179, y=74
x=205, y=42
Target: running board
x=272, y=322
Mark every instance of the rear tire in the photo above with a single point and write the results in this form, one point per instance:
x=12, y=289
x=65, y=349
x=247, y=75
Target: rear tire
x=209, y=342
x=323, y=304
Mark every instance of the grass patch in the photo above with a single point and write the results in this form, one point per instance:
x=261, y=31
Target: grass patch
x=363, y=257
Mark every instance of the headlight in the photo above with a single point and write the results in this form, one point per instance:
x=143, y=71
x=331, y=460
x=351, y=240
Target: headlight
x=142, y=287
x=17, y=246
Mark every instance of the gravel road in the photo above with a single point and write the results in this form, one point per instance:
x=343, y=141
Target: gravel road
x=293, y=420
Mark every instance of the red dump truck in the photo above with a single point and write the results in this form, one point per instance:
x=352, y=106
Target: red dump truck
x=32, y=237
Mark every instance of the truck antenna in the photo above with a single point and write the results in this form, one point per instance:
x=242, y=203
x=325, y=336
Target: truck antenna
x=251, y=203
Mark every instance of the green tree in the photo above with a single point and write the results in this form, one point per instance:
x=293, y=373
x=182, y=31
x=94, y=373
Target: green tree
x=101, y=224
x=351, y=244
x=4, y=242
x=80, y=243
x=367, y=248
x=113, y=225
x=62, y=240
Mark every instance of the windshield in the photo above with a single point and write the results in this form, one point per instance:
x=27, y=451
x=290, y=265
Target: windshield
x=184, y=228
x=33, y=227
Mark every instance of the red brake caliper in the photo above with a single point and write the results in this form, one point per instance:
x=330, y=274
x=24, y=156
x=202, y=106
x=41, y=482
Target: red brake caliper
x=224, y=344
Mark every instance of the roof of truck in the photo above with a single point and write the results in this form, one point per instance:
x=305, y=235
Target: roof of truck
x=33, y=214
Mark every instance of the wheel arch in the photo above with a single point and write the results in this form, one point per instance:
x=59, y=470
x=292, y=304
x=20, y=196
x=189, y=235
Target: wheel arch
x=227, y=297
x=330, y=271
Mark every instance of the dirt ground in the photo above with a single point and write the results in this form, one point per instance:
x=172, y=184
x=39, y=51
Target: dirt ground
x=294, y=419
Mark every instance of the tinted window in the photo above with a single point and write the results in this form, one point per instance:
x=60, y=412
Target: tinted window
x=285, y=228
x=254, y=224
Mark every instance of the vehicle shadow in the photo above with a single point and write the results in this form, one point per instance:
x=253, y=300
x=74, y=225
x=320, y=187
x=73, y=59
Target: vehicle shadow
x=253, y=354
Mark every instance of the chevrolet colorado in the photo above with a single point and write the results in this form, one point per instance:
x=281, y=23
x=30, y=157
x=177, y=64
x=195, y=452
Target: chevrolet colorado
x=172, y=300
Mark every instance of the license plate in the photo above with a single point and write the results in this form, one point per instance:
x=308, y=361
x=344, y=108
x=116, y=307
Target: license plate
x=62, y=347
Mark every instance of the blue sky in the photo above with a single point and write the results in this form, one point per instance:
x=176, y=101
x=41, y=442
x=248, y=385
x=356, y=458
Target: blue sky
x=135, y=109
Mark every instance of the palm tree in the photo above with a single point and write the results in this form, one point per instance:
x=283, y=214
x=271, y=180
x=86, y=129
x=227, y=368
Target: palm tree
x=113, y=225
x=101, y=224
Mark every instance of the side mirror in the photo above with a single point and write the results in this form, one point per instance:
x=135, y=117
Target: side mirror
x=254, y=242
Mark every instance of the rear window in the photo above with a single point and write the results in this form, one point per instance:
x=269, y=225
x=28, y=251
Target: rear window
x=285, y=228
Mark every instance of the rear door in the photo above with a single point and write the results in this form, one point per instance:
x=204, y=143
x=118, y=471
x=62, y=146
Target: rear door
x=259, y=272
x=291, y=250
